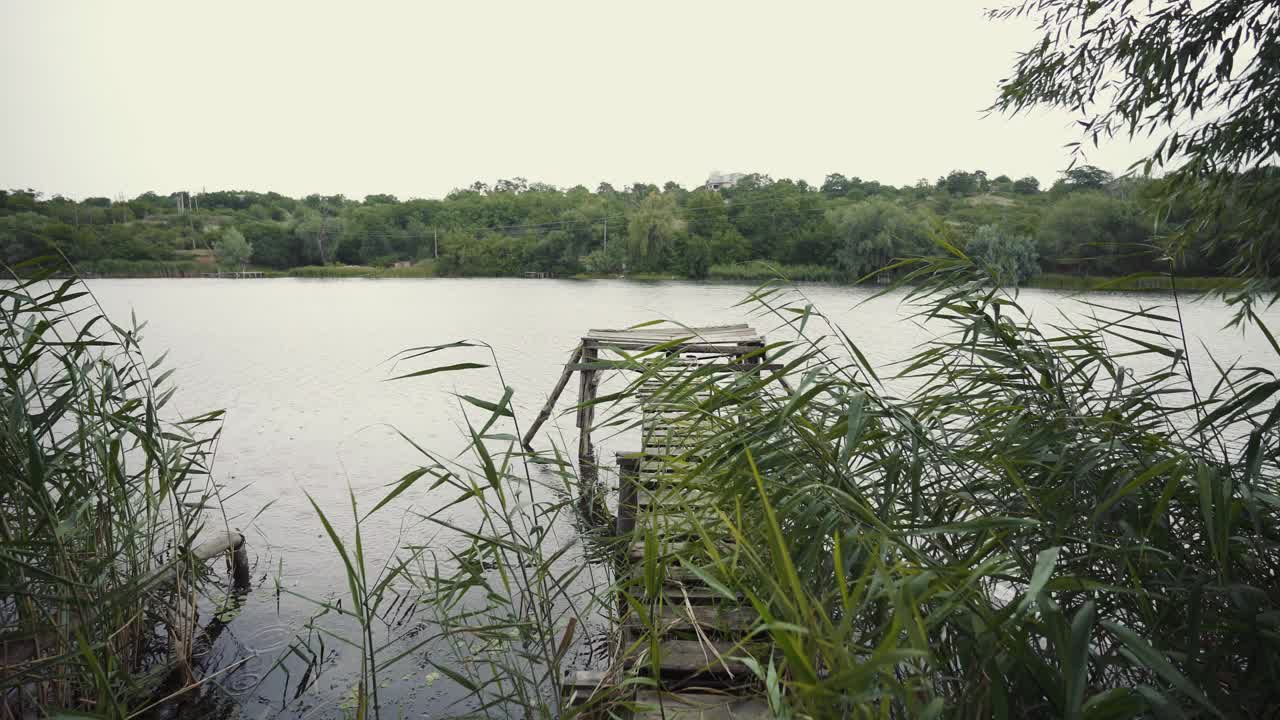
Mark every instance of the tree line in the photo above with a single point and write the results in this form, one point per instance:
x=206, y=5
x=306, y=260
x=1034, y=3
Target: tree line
x=1087, y=222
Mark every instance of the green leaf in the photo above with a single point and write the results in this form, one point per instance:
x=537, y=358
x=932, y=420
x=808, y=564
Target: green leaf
x=1141, y=652
x=1045, y=561
x=441, y=368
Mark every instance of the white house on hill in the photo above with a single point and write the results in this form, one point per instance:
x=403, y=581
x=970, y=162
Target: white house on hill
x=725, y=180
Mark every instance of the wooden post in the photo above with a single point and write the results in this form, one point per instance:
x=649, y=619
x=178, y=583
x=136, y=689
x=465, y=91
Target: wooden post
x=240, y=568
x=551, y=401
x=586, y=393
x=628, y=490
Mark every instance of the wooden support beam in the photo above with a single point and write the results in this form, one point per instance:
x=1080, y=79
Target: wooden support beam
x=700, y=348
x=735, y=367
x=587, y=385
x=628, y=477
x=569, y=367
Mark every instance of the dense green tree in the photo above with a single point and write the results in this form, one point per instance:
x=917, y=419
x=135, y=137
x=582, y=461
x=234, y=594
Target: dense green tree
x=835, y=185
x=1092, y=232
x=232, y=249
x=274, y=245
x=22, y=236
x=1202, y=77
x=706, y=213
x=650, y=231
x=1084, y=177
x=728, y=246
x=773, y=216
x=149, y=243
x=1011, y=259
x=696, y=257
x=959, y=182
x=521, y=226
x=606, y=260
x=1026, y=186
x=874, y=233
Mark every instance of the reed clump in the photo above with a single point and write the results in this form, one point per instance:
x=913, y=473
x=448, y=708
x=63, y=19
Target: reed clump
x=100, y=499
x=1019, y=520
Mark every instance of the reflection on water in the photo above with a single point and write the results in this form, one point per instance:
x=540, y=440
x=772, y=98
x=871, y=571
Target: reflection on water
x=300, y=366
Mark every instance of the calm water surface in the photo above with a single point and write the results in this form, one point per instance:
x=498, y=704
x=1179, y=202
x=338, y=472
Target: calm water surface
x=301, y=366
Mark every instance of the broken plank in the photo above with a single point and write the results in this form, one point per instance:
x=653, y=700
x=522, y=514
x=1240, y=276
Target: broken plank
x=653, y=705
x=712, y=658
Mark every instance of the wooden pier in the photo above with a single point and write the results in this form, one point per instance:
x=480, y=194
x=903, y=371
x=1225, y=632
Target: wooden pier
x=687, y=639
x=236, y=274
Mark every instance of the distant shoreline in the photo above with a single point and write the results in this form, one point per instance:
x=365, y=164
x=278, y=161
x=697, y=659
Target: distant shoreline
x=1046, y=281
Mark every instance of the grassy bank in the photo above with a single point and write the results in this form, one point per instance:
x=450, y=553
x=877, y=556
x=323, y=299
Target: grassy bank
x=420, y=270
x=759, y=271
x=144, y=269
x=753, y=272
x=1056, y=281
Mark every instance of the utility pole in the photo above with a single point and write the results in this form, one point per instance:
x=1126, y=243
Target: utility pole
x=435, y=234
x=320, y=239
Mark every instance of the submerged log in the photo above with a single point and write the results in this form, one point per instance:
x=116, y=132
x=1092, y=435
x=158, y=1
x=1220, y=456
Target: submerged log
x=18, y=650
x=231, y=541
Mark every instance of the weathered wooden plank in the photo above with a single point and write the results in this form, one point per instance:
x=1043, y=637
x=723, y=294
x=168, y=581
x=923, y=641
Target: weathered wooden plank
x=706, y=348
x=680, y=585
x=709, y=619
x=580, y=686
x=678, y=657
x=628, y=489
x=545, y=413
x=653, y=705
x=699, y=627
x=668, y=493
x=587, y=386
x=736, y=333
x=665, y=550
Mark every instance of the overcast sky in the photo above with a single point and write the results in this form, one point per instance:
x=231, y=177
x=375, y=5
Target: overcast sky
x=418, y=98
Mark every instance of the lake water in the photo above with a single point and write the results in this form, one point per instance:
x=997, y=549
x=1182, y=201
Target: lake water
x=300, y=366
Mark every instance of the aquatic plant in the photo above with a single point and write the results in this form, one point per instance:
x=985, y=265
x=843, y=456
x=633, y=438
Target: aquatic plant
x=101, y=500
x=1021, y=519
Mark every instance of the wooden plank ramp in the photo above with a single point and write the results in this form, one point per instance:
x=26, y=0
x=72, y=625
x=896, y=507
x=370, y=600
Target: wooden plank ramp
x=689, y=641
x=688, y=637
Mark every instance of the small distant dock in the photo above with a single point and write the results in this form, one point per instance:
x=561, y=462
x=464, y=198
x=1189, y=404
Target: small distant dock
x=237, y=274
x=686, y=639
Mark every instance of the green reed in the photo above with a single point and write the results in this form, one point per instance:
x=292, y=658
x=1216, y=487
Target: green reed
x=100, y=498
x=1021, y=519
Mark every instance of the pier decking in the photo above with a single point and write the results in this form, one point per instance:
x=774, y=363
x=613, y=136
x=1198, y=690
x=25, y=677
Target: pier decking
x=688, y=639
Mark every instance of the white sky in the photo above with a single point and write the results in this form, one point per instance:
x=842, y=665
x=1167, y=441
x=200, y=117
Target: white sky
x=417, y=98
